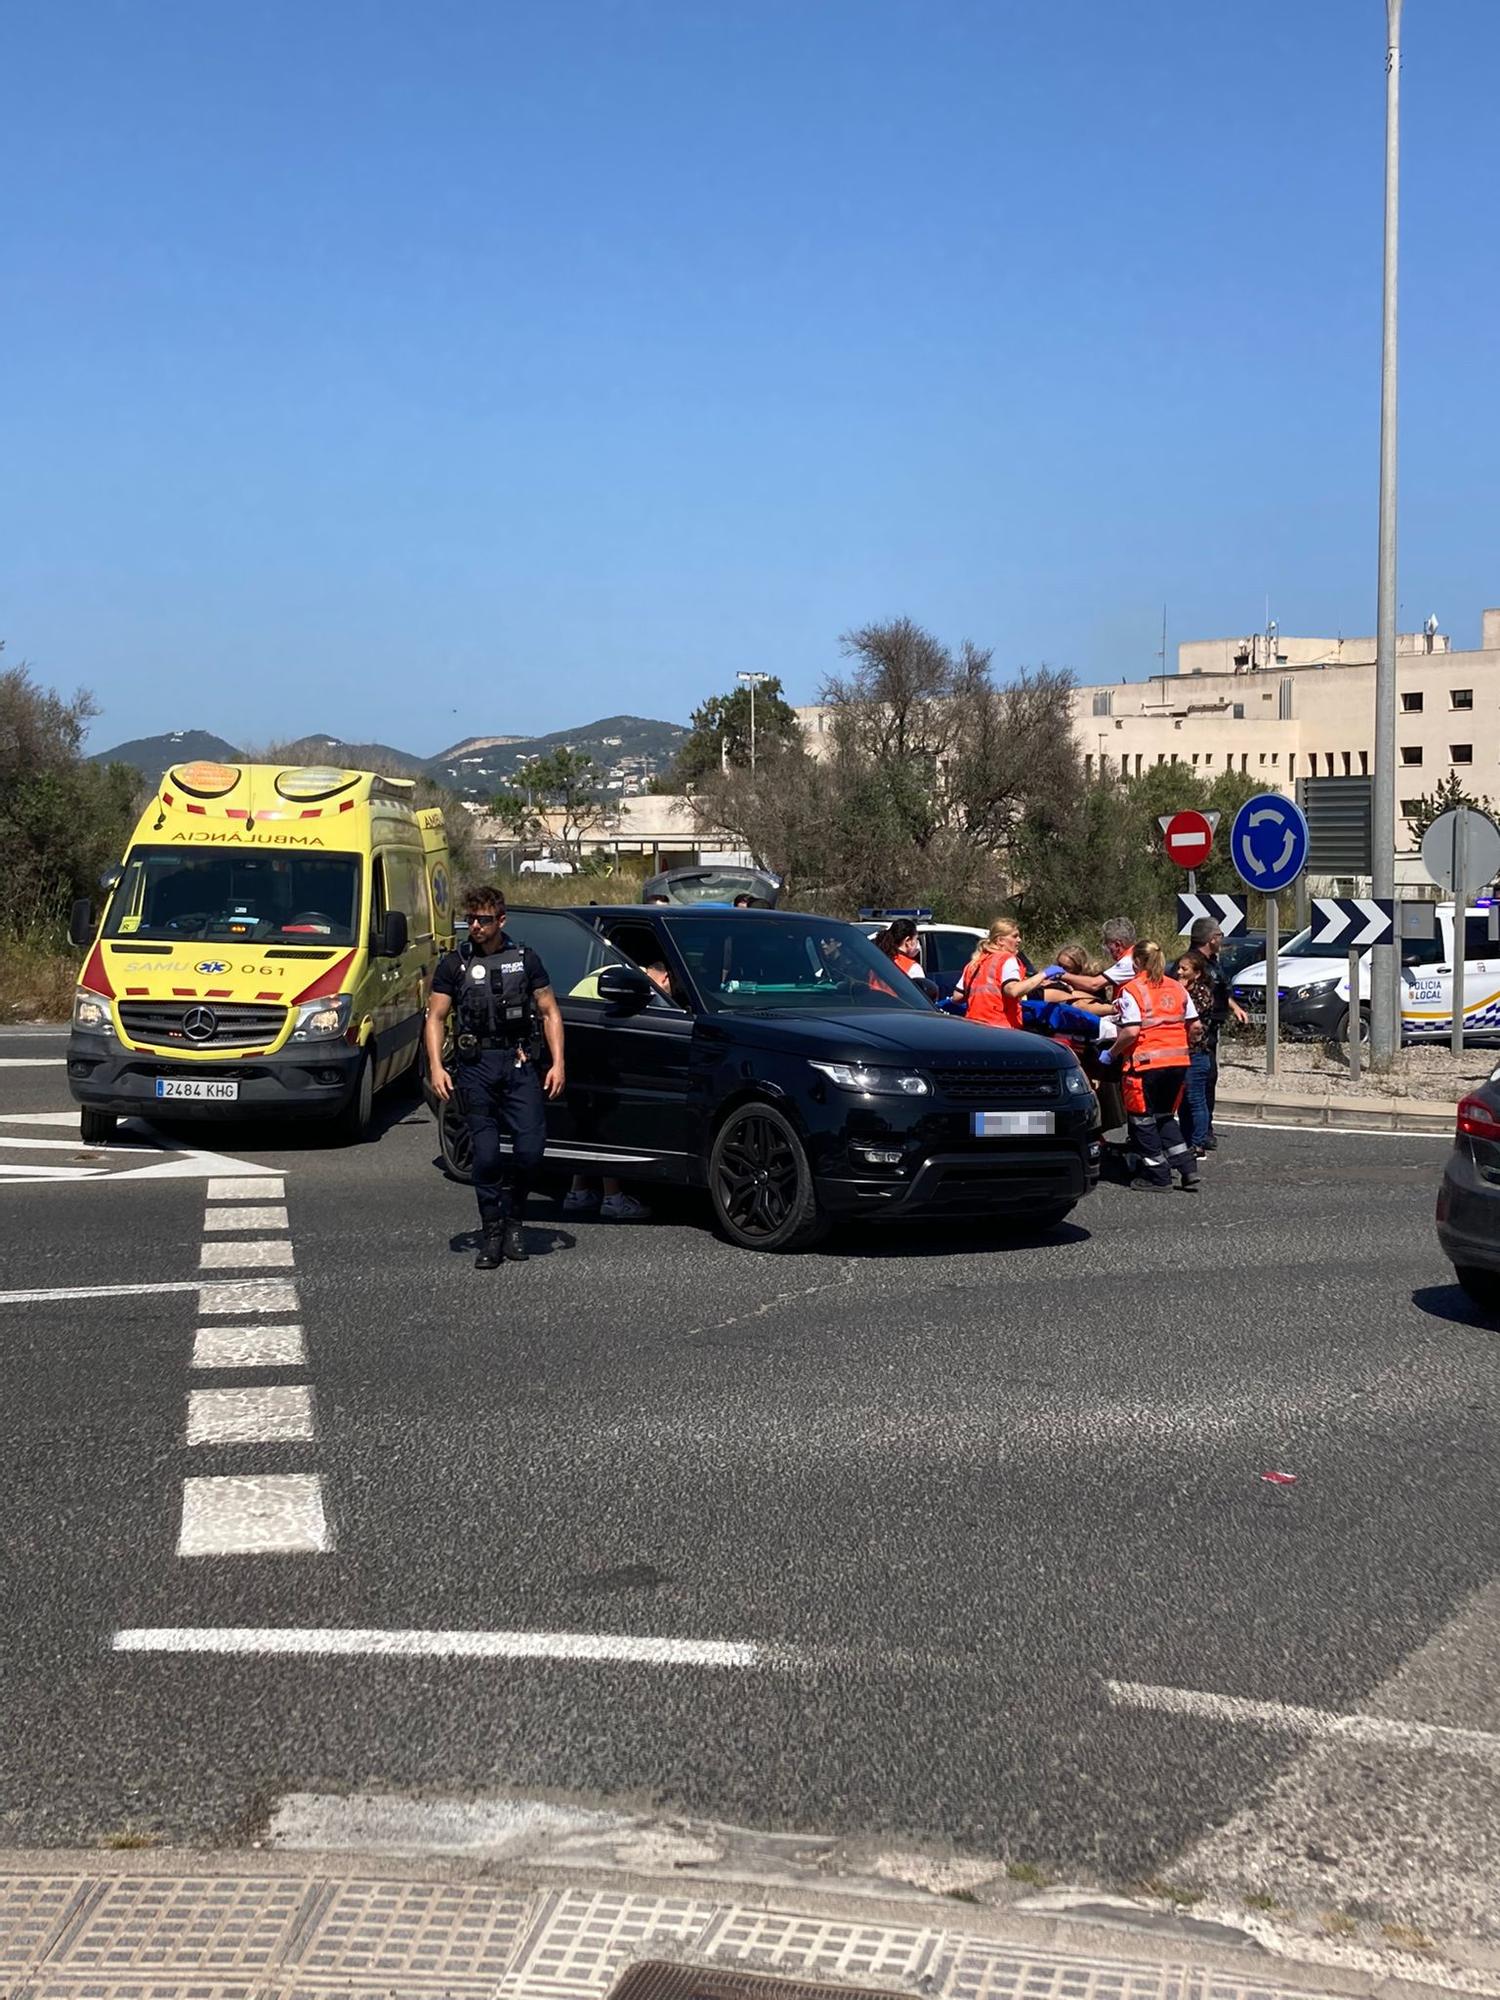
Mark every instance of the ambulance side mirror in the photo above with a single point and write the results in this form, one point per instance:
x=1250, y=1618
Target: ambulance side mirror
x=81, y=923
x=394, y=935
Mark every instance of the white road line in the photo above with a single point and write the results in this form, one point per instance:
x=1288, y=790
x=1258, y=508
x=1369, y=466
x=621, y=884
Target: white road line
x=254, y=1254
x=245, y=1218
x=50, y=1295
x=274, y=1514
x=248, y=1347
x=30, y=1062
x=291, y=1640
x=14, y=1176
x=269, y=1414
x=243, y=1295
x=1384, y=1732
x=1328, y=1131
x=237, y=1187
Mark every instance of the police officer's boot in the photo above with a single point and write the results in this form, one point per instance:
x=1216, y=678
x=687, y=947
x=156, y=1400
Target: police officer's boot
x=491, y=1247
x=515, y=1241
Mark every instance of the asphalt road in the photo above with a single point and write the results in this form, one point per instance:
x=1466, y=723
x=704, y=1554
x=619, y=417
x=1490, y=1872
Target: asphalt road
x=973, y=1499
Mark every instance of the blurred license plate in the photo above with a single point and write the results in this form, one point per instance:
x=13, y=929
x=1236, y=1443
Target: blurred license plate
x=1012, y=1124
x=222, y=1092
x=1255, y=1016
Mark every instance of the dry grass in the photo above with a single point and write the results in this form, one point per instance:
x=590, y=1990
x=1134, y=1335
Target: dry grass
x=37, y=975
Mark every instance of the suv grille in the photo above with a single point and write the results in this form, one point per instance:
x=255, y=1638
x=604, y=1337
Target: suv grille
x=996, y=1084
x=236, y=1025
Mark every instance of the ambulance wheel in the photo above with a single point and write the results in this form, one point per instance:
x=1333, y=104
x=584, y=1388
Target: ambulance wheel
x=1341, y=1032
x=1483, y=1287
x=761, y=1184
x=353, y=1122
x=96, y=1128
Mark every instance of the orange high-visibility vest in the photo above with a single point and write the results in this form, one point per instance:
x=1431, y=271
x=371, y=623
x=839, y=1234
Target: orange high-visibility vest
x=989, y=1004
x=1163, y=1040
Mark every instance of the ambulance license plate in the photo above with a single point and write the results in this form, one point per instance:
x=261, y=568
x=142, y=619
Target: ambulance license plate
x=224, y=1090
x=1013, y=1124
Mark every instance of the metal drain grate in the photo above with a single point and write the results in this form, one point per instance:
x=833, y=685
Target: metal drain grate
x=653, y=1980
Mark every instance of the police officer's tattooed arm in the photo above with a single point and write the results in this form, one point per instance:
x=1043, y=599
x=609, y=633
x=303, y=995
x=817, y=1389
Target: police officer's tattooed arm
x=439, y=1007
x=552, y=1027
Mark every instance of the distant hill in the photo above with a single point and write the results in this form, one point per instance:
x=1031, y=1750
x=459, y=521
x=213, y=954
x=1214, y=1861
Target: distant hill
x=150, y=755
x=474, y=769
x=476, y=772
x=353, y=756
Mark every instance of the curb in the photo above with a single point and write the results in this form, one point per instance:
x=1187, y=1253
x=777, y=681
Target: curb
x=342, y=1929
x=1357, y=1114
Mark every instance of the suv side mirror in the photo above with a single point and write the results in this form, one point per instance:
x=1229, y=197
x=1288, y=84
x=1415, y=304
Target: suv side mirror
x=394, y=936
x=625, y=986
x=81, y=923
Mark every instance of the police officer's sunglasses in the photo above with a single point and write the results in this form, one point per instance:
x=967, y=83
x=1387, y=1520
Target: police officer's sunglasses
x=486, y=919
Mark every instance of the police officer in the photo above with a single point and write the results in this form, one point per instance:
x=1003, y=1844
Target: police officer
x=503, y=1004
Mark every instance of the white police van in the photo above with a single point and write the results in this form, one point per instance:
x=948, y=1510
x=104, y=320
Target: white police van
x=1314, y=990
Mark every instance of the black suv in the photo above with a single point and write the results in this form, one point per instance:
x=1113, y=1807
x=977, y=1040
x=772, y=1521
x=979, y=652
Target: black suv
x=795, y=1074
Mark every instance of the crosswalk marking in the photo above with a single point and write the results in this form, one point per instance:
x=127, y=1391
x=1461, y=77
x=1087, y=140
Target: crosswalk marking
x=265, y=1254
x=267, y=1414
x=248, y=1347
x=267, y=1514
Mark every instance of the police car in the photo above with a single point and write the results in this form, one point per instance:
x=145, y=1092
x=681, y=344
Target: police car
x=1313, y=990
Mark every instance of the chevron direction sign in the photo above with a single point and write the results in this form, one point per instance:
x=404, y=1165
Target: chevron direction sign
x=1228, y=912
x=1352, y=922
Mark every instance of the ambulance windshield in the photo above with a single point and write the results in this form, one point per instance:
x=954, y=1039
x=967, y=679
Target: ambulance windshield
x=171, y=893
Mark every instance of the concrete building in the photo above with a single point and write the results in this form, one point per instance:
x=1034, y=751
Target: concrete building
x=654, y=831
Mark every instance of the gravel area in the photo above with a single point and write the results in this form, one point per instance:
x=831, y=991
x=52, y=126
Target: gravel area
x=1304, y=1068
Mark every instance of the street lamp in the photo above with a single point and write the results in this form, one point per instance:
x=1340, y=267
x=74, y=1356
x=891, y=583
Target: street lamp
x=752, y=681
x=1383, y=1026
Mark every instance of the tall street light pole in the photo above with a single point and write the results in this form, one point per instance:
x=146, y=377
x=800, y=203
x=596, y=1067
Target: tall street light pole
x=1384, y=1028
x=752, y=681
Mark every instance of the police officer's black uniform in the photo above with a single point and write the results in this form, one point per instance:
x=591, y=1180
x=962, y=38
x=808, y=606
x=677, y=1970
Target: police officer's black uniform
x=497, y=1046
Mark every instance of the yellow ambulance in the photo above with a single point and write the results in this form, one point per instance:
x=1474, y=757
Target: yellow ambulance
x=266, y=948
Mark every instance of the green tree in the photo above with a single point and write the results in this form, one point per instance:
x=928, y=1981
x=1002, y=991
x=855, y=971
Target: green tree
x=720, y=736
x=63, y=820
x=1450, y=793
x=557, y=797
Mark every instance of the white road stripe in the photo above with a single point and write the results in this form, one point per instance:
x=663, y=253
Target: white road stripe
x=239, y=1187
x=269, y=1414
x=253, y=1254
x=14, y=1176
x=244, y=1295
x=30, y=1062
x=66, y=1293
x=1382, y=1731
x=216, y=1219
x=274, y=1514
x=293, y=1640
x=248, y=1347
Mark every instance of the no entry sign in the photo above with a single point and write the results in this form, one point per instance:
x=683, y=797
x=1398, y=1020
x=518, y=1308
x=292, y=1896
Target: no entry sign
x=1189, y=839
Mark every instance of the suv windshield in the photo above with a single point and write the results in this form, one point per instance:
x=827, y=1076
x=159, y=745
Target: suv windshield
x=743, y=963
x=236, y=897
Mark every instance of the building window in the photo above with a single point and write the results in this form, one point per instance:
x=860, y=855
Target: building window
x=1411, y=753
x=1411, y=704
x=1137, y=764
x=1102, y=699
x=1348, y=764
x=1410, y=808
x=1461, y=697
x=1208, y=756
x=1461, y=753
x=1244, y=760
x=1088, y=768
x=1328, y=760
x=1262, y=756
x=1195, y=756
x=1239, y=711
x=1275, y=756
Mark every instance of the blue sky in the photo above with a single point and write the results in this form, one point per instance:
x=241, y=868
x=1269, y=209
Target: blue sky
x=415, y=370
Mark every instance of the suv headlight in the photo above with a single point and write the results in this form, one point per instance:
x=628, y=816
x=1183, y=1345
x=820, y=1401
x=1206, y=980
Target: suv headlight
x=875, y=1082
x=91, y=1012
x=320, y=1020
x=1075, y=1083
x=1316, y=990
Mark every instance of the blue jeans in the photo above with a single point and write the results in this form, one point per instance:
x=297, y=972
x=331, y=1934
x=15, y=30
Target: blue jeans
x=1197, y=1098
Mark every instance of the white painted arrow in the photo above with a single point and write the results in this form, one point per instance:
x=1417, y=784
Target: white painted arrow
x=1333, y=920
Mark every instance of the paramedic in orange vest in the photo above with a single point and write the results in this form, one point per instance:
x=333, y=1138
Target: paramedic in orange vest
x=1158, y=1024
x=994, y=981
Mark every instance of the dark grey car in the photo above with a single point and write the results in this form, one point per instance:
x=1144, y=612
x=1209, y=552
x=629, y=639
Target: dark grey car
x=1468, y=1204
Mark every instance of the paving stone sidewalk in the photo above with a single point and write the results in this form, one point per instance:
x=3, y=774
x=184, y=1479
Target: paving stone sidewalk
x=85, y=1932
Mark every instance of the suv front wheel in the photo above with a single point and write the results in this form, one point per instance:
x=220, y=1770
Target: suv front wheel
x=760, y=1182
